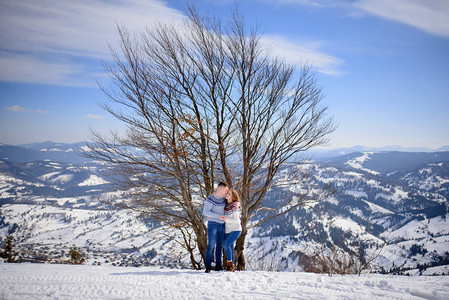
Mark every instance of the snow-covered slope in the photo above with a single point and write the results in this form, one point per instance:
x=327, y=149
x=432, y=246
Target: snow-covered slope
x=387, y=162
x=49, y=205
x=67, y=153
x=43, y=281
x=49, y=180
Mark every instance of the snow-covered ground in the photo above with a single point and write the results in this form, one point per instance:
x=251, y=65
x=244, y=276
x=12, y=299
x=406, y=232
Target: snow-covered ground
x=46, y=281
x=357, y=163
x=93, y=180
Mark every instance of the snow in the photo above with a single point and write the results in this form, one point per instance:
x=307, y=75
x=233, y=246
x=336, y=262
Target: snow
x=358, y=212
x=55, y=150
x=7, y=181
x=413, y=229
x=55, y=177
x=436, y=270
x=431, y=234
x=332, y=200
x=59, y=227
x=432, y=182
x=425, y=170
x=357, y=163
x=441, y=245
x=377, y=209
x=93, y=180
x=397, y=196
x=436, y=165
x=46, y=281
x=348, y=225
x=357, y=194
x=48, y=175
x=62, y=178
x=353, y=174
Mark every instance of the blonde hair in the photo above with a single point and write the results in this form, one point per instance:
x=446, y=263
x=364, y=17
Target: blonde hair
x=235, y=196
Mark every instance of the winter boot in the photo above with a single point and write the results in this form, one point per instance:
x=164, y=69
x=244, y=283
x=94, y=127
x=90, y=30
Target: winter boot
x=230, y=266
x=218, y=268
x=207, y=269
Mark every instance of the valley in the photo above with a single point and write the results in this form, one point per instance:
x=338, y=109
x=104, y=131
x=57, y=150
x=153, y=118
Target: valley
x=388, y=206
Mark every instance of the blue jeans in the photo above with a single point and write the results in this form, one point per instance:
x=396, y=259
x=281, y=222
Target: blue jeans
x=228, y=244
x=215, y=237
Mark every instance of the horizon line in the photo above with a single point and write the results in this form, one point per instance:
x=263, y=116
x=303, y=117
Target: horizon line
x=315, y=149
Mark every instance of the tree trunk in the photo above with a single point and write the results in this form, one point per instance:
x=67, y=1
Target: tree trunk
x=201, y=239
x=195, y=265
x=239, y=247
x=245, y=106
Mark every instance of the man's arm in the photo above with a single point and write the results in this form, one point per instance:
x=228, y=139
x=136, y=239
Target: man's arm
x=207, y=211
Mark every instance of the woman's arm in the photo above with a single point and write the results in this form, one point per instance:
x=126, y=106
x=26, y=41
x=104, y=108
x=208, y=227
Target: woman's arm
x=234, y=217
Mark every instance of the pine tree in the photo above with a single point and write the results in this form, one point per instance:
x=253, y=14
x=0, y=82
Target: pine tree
x=76, y=255
x=8, y=252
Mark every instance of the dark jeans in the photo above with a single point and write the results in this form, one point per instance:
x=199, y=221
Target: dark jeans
x=228, y=244
x=215, y=237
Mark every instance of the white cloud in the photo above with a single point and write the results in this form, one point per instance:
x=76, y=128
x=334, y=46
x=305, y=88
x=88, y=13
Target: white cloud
x=15, y=108
x=90, y=116
x=41, y=111
x=311, y=3
x=80, y=28
x=431, y=16
x=27, y=68
x=62, y=42
x=46, y=41
x=296, y=53
x=18, y=108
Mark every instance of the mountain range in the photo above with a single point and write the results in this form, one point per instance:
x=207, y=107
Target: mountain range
x=390, y=205
x=70, y=153
x=58, y=152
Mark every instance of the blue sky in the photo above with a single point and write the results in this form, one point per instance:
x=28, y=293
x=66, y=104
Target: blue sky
x=383, y=65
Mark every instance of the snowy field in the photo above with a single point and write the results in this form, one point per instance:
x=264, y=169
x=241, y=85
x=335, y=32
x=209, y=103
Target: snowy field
x=46, y=281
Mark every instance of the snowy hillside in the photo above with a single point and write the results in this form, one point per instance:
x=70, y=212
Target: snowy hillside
x=48, y=182
x=379, y=208
x=385, y=162
x=67, y=153
x=404, y=225
x=38, y=281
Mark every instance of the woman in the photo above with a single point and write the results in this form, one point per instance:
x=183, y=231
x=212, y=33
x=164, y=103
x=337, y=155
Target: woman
x=233, y=228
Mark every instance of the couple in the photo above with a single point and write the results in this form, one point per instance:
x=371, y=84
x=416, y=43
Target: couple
x=222, y=209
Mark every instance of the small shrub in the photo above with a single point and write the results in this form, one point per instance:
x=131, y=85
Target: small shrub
x=76, y=255
x=7, y=253
x=417, y=249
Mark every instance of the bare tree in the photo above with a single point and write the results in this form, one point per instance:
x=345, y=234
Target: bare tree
x=205, y=102
x=335, y=256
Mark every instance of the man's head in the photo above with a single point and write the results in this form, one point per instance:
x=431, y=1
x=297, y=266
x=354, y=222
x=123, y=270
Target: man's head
x=222, y=189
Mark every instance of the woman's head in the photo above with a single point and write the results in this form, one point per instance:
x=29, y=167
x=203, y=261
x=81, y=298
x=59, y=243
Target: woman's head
x=232, y=196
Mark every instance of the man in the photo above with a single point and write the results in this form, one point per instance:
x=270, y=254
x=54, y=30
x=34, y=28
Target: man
x=214, y=211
